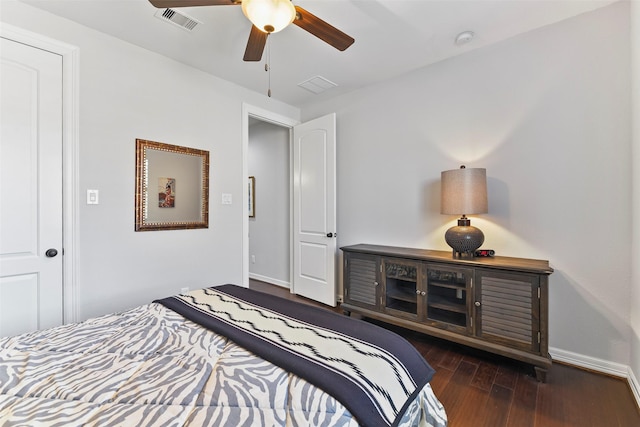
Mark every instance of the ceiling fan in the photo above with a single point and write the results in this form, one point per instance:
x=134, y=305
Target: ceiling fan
x=270, y=16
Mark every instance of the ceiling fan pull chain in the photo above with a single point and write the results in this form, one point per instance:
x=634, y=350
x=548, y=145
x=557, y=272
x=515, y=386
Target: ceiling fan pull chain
x=267, y=67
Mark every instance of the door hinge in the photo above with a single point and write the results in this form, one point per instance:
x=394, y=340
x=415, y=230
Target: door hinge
x=538, y=337
x=538, y=293
x=471, y=318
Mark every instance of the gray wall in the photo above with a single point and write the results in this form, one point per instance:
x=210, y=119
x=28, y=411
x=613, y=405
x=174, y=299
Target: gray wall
x=635, y=253
x=548, y=114
x=269, y=233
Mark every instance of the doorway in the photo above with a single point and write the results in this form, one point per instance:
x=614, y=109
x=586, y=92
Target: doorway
x=250, y=115
x=269, y=219
x=312, y=202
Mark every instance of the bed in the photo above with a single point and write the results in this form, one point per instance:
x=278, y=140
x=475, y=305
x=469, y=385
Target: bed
x=219, y=356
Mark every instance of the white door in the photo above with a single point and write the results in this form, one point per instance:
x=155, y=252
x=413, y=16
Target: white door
x=30, y=189
x=314, y=210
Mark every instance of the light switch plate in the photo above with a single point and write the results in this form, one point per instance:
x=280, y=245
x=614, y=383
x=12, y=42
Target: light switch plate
x=92, y=197
x=227, y=199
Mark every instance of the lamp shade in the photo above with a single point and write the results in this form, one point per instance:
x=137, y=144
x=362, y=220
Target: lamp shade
x=269, y=16
x=464, y=191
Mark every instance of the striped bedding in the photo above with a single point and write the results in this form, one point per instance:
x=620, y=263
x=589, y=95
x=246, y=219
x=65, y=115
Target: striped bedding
x=150, y=366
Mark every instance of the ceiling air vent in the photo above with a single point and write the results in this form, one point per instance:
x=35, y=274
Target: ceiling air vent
x=317, y=84
x=177, y=18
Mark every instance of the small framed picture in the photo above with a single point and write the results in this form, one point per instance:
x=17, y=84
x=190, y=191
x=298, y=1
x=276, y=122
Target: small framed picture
x=166, y=192
x=252, y=197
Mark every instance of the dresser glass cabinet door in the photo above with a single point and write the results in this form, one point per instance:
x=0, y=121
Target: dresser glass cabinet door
x=448, y=293
x=401, y=287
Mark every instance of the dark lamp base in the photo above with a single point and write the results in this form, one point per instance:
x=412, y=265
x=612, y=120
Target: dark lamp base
x=464, y=239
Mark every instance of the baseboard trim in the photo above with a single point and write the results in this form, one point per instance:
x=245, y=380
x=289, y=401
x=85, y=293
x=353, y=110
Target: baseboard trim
x=635, y=386
x=271, y=280
x=599, y=365
x=590, y=363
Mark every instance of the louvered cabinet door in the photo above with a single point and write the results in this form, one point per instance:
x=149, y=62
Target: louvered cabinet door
x=507, y=309
x=361, y=280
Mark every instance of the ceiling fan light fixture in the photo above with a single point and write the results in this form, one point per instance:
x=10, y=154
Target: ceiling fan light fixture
x=269, y=16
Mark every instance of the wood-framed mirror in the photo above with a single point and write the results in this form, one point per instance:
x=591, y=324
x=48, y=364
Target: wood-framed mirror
x=172, y=187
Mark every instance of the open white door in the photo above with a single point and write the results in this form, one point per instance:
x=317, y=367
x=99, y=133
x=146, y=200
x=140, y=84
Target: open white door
x=314, y=210
x=31, y=281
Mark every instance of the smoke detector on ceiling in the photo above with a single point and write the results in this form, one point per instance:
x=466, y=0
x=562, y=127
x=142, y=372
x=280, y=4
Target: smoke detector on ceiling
x=179, y=19
x=464, y=37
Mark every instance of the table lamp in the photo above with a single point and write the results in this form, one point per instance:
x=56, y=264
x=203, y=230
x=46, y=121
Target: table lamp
x=464, y=191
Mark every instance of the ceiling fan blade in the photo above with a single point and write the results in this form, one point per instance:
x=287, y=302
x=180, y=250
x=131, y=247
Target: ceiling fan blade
x=321, y=29
x=255, y=44
x=161, y=4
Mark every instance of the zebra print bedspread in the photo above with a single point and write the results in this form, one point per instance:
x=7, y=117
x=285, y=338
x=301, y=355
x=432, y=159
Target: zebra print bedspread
x=373, y=372
x=150, y=366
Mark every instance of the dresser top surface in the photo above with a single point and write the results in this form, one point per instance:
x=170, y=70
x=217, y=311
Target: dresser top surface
x=500, y=262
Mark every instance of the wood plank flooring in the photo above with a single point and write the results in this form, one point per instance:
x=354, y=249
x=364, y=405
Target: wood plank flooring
x=480, y=389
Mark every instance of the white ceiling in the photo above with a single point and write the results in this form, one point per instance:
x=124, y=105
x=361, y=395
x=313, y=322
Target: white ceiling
x=392, y=37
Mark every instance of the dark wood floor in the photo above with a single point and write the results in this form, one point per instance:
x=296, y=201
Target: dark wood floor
x=479, y=389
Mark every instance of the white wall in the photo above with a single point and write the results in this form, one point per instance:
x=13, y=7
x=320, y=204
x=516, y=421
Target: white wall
x=269, y=233
x=125, y=93
x=548, y=114
x=635, y=251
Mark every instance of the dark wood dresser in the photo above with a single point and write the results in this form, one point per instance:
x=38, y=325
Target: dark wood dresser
x=496, y=304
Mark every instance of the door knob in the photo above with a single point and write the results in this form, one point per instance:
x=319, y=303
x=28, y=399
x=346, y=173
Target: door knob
x=51, y=253
x=329, y=234
x=478, y=304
